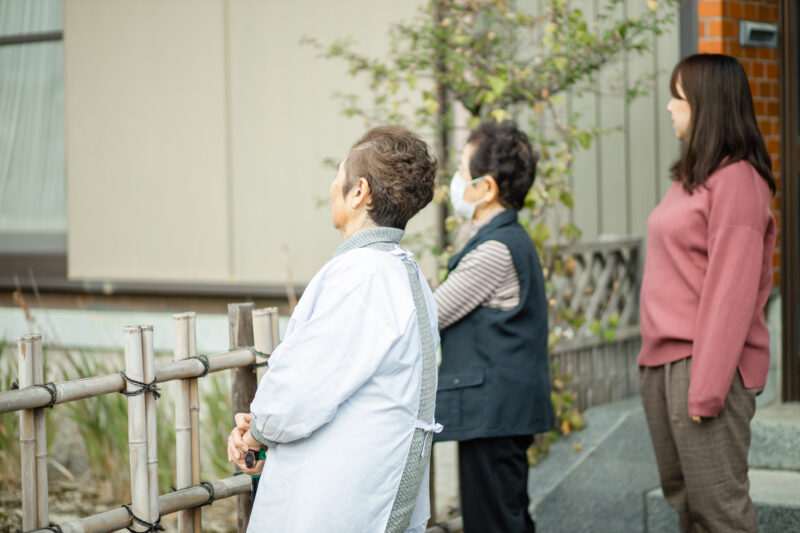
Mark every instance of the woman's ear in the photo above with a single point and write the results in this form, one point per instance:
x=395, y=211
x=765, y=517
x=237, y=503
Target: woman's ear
x=492, y=192
x=360, y=195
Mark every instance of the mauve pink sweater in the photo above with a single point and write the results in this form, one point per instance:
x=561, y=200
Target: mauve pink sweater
x=707, y=276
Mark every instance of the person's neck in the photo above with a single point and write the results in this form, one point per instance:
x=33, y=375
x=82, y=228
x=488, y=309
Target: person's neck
x=356, y=225
x=484, y=215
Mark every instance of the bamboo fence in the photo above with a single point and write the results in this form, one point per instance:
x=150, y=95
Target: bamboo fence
x=139, y=382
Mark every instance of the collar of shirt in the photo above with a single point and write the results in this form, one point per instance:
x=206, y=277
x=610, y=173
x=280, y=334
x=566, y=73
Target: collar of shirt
x=369, y=236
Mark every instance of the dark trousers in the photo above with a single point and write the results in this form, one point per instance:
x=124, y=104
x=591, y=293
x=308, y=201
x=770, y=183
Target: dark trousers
x=494, y=485
x=703, y=467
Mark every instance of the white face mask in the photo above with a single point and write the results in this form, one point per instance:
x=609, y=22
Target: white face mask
x=457, y=188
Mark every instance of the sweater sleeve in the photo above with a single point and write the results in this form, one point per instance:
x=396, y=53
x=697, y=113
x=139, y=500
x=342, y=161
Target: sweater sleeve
x=738, y=209
x=474, y=280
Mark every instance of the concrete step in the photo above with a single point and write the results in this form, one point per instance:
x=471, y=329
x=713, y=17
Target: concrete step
x=775, y=493
x=775, y=437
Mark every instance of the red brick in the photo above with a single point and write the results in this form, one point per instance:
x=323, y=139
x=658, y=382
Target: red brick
x=772, y=109
x=763, y=13
x=709, y=8
x=750, y=11
x=735, y=10
x=749, y=51
x=715, y=28
x=765, y=88
x=730, y=28
x=772, y=71
x=773, y=147
x=732, y=48
x=767, y=13
x=701, y=29
x=758, y=69
x=711, y=47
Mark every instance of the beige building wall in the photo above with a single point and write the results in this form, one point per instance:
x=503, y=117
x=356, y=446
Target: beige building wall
x=623, y=175
x=197, y=130
x=196, y=134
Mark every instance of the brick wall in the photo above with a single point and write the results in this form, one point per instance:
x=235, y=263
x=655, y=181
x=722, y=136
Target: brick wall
x=718, y=32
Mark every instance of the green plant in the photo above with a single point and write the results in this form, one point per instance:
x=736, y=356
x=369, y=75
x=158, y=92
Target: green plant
x=217, y=422
x=9, y=424
x=102, y=423
x=500, y=62
x=496, y=61
x=567, y=416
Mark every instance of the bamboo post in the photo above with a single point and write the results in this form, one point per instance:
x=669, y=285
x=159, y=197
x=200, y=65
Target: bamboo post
x=40, y=421
x=243, y=383
x=137, y=426
x=27, y=434
x=262, y=336
x=148, y=371
x=194, y=412
x=275, y=325
x=183, y=428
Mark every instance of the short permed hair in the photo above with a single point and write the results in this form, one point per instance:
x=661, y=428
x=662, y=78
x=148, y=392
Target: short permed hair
x=505, y=153
x=400, y=172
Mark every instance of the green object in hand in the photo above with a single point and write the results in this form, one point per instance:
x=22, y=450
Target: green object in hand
x=251, y=457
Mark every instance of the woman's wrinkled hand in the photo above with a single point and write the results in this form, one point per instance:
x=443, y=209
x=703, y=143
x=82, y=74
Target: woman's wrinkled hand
x=240, y=441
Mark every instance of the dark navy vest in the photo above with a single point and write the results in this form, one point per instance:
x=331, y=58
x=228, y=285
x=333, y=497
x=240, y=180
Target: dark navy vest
x=494, y=377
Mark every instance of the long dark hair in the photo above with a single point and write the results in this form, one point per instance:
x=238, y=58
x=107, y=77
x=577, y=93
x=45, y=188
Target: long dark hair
x=723, y=122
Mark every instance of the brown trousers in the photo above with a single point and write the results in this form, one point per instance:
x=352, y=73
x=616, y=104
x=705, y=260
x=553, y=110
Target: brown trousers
x=703, y=467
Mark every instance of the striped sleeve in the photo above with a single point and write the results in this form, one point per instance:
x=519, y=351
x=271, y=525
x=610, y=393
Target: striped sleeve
x=476, y=279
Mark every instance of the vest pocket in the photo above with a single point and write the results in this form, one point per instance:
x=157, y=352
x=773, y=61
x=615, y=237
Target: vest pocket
x=450, y=404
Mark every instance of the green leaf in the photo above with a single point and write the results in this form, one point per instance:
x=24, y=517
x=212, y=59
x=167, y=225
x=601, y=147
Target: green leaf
x=539, y=233
x=497, y=84
x=500, y=115
x=584, y=138
x=431, y=106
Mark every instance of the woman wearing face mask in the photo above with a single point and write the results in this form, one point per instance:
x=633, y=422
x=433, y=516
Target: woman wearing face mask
x=494, y=387
x=707, y=276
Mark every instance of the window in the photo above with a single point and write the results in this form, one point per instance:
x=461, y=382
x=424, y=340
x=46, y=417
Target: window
x=32, y=160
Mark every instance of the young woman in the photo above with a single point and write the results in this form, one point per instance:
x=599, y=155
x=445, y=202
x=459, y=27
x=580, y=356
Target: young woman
x=494, y=388
x=707, y=276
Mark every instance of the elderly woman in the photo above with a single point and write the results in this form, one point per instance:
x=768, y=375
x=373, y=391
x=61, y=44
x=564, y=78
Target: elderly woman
x=346, y=408
x=494, y=387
